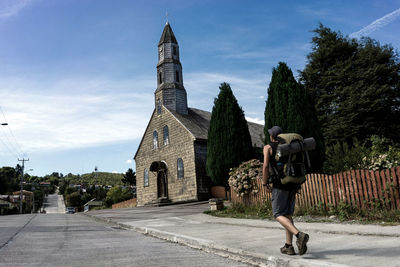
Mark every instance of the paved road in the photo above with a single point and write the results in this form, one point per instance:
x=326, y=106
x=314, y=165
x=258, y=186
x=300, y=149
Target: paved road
x=78, y=240
x=258, y=241
x=54, y=204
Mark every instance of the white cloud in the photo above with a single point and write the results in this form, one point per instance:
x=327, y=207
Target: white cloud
x=60, y=118
x=10, y=8
x=377, y=24
x=129, y=161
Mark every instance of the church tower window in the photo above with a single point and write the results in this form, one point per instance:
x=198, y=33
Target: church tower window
x=180, y=168
x=155, y=140
x=146, y=177
x=160, y=78
x=174, y=51
x=177, y=76
x=166, y=135
x=158, y=106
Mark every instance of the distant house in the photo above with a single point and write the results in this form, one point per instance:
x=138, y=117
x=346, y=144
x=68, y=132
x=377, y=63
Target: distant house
x=44, y=184
x=171, y=158
x=27, y=196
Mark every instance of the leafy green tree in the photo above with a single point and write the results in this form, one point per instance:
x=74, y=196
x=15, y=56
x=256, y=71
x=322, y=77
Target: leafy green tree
x=289, y=106
x=129, y=177
x=117, y=194
x=74, y=199
x=229, y=142
x=7, y=179
x=355, y=86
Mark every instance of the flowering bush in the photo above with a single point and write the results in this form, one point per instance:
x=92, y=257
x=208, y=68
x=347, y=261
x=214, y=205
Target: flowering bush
x=242, y=179
x=382, y=155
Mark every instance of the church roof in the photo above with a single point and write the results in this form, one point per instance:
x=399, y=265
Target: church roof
x=167, y=35
x=197, y=122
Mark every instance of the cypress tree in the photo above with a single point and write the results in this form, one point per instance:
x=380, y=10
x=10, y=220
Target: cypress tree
x=229, y=142
x=290, y=107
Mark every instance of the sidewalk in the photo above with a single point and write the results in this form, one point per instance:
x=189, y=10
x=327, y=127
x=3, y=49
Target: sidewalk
x=258, y=241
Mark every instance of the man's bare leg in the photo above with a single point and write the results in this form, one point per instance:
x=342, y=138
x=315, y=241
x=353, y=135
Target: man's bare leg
x=287, y=223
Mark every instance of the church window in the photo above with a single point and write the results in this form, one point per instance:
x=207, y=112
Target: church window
x=146, y=177
x=160, y=77
x=155, y=140
x=166, y=135
x=158, y=106
x=177, y=76
x=174, y=51
x=180, y=168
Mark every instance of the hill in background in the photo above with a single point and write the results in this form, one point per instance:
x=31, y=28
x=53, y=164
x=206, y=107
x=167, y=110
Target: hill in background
x=98, y=178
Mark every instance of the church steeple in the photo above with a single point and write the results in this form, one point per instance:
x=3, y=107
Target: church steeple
x=170, y=90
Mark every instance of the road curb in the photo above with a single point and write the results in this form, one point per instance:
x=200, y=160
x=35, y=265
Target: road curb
x=232, y=253
x=311, y=229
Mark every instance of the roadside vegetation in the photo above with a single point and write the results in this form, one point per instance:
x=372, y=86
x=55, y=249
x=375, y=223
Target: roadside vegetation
x=342, y=213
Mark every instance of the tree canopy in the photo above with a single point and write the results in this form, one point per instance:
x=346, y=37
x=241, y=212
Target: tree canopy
x=229, y=141
x=8, y=182
x=290, y=107
x=355, y=86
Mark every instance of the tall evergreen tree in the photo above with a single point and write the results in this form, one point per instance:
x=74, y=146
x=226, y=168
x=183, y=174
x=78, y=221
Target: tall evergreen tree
x=290, y=107
x=129, y=177
x=229, y=142
x=355, y=85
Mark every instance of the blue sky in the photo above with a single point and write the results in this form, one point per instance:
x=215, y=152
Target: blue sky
x=77, y=77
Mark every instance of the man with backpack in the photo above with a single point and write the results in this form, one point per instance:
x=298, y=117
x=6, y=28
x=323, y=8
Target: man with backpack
x=283, y=194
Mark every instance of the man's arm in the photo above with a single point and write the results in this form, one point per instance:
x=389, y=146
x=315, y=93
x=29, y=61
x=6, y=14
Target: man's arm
x=265, y=170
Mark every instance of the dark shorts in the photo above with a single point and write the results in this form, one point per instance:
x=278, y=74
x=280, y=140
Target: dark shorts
x=283, y=202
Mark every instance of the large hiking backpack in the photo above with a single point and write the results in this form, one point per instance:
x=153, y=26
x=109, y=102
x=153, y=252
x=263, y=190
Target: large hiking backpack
x=292, y=159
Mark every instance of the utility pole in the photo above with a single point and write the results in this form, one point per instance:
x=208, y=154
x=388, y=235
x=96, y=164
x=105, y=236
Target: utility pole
x=22, y=178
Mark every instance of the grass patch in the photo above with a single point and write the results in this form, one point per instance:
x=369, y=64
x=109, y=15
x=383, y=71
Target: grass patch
x=259, y=211
x=343, y=212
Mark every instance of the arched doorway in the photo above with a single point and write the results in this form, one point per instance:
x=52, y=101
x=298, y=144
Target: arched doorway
x=162, y=185
x=160, y=167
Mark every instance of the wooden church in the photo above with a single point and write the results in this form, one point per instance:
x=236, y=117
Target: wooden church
x=171, y=158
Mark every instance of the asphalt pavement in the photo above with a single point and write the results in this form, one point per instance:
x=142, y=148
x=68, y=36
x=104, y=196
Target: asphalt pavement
x=76, y=240
x=54, y=203
x=257, y=242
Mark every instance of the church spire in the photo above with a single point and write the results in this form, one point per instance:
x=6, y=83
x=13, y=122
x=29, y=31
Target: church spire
x=167, y=35
x=170, y=90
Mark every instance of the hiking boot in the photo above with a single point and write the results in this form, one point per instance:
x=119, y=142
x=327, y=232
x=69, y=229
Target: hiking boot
x=288, y=250
x=302, y=242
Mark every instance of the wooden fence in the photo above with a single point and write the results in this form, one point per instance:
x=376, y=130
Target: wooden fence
x=358, y=188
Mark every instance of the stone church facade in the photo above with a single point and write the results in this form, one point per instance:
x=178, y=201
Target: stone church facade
x=171, y=158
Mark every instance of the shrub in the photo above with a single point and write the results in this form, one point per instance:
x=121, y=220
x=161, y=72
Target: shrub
x=382, y=155
x=376, y=153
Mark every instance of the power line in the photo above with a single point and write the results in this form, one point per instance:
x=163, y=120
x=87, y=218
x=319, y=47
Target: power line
x=17, y=148
x=8, y=148
x=9, y=143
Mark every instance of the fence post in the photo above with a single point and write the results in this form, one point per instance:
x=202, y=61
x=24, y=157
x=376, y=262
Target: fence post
x=360, y=189
x=396, y=185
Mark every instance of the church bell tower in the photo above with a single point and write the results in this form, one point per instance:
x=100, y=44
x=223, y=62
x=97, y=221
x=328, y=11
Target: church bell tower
x=170, y=91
